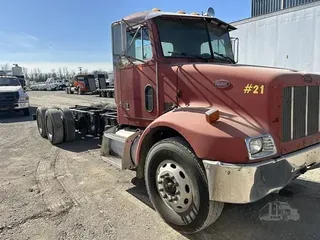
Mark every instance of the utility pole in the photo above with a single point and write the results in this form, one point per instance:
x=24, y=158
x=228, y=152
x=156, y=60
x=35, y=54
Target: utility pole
x=80, y=69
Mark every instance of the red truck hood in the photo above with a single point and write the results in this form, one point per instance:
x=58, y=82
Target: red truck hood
x=252, y=103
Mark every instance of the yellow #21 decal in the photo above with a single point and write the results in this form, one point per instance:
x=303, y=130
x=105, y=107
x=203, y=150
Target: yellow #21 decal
x=254, y=89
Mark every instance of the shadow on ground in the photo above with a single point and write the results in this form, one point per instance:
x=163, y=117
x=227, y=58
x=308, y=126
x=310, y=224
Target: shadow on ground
x=6, y=117
x=81, y=144
x=139, y=191
x=300, y=200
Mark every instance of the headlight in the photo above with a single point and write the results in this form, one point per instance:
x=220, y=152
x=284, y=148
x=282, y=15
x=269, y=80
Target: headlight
x=24, y=98
x=260, y=147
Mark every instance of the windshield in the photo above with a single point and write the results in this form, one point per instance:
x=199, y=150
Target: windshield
x=9, y=82
x=190, y=38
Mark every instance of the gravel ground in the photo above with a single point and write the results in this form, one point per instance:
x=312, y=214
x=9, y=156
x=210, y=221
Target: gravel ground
x=69, y=192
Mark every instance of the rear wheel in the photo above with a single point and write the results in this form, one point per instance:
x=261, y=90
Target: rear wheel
x=68, y=125
x=41, y=122
x=54, y=126
x=178, y=188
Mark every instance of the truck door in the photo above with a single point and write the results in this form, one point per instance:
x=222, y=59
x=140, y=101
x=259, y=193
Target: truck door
x=136, y=93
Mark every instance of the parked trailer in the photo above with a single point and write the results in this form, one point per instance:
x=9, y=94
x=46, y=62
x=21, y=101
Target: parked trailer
x=276, y=39
x=198, y=128
x=106, y=88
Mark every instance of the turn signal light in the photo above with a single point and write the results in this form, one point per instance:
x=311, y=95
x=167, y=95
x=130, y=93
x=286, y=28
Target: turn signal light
x=212, y=116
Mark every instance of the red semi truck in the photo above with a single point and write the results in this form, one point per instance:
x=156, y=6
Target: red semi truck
x=200, y=129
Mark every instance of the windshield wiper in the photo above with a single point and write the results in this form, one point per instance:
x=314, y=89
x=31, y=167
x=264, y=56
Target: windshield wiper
x=224, y=56
x=189, y=55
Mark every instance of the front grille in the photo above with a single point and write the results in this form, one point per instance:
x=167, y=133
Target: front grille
x=300, y=112
x=8, y=98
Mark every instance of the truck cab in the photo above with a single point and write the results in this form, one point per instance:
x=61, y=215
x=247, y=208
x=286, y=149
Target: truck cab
x=12, y=95
x=82, y=83
x=249, y=129
x=198, y=128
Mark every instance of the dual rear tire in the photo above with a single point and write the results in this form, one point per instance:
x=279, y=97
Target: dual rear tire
x=56, y=124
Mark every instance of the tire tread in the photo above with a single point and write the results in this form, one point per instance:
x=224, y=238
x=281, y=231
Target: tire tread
x=214, y=208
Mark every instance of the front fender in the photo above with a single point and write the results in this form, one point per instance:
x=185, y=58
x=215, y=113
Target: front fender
x=221, y=141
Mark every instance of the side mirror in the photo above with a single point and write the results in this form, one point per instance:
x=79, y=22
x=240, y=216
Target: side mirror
x=235, y=48
x=119, y=42
x=24, y=88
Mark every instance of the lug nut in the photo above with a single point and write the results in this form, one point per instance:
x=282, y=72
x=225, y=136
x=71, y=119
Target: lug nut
x=165, y=196
x=160, y=189
x=160, y=182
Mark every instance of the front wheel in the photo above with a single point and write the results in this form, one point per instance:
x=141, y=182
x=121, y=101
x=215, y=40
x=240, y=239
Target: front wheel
x=177, y=186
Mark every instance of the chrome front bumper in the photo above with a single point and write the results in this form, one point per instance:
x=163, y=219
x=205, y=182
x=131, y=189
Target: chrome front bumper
x=245, y=183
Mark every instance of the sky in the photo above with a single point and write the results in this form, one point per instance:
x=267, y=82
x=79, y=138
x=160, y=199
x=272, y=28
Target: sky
x=49, y=34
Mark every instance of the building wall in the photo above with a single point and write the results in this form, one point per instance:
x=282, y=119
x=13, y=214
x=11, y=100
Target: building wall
x=287, y=39
x=260, y=7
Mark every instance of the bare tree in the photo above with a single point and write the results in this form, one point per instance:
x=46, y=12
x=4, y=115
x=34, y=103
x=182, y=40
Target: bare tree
x=40, y=75
x=72, y=74
x=65, y=72
x=5, y=67
x=35, y=76
x=25, y=72
x=60, y=72
x=53, y=73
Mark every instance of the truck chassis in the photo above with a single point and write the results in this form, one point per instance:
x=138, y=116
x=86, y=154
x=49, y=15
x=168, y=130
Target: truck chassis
x=106, y=93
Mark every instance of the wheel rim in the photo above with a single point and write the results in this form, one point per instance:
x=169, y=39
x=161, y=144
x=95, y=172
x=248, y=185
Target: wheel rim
x=175, y=187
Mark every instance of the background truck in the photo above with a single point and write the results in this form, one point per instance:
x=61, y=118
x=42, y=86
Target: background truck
x=106, y=86
x=200, y=129
x=82, y=83
x=12, y=95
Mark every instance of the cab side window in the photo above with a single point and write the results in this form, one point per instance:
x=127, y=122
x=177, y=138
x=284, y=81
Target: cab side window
x=139, y=44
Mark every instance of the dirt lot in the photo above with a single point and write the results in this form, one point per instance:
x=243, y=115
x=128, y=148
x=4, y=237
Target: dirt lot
x=69, y=192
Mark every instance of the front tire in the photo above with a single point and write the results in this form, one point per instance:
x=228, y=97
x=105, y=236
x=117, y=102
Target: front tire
x=177, y=186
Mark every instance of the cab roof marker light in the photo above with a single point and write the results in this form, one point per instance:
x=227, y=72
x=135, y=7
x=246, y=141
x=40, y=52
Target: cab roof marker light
x=195, y=13
x=156, y=10
x=181, y=12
